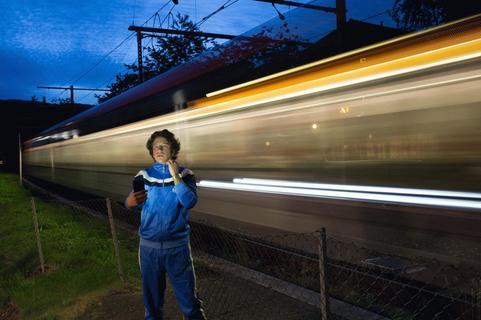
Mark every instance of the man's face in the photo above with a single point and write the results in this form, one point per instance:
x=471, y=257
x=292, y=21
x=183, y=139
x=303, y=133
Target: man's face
x=161, y=150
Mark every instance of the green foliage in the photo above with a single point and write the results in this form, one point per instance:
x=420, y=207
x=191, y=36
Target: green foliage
x=61, y=101
x=164, y=54
x=78, y=253
x=420, y=14
x=172, y=51
x=123, y=82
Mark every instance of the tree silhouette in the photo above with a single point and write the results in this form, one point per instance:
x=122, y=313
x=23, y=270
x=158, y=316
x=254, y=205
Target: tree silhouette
x=420, y=14
x=167, y=52
x=61, y=101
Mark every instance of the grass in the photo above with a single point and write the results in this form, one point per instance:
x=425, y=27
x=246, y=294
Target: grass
x=78, y=252
x=82, y=267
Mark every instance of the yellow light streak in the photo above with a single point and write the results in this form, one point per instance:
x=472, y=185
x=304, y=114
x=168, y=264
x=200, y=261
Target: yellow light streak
x=425, y=46
x=188, y=115
x=313, y=82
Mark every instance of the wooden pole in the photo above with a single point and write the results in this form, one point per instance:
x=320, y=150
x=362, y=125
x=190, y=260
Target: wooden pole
x=476, y=296
x=37, y=233
x=20, y=158
x=114, y=239
x=323, y=295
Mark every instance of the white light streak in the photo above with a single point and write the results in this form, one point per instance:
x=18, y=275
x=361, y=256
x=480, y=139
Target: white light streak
x=346, y=195
x=190, y=115
x=342, y=187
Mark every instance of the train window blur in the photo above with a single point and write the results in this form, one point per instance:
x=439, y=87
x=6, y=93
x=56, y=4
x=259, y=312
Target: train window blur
x=404, y=112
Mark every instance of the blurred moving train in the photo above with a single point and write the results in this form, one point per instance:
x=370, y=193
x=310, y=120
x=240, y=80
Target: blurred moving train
x=402, y=113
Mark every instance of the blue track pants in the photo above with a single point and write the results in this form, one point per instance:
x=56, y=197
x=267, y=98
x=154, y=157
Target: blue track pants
x=177, y=263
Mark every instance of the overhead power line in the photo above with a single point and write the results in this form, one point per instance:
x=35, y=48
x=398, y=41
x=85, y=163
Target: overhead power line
x=183, y=32
x=71, y=88
x=339, y=10
x=115, y=48
x=222, y=7
x=140, y=35
x=301, y=5
x=377, y=15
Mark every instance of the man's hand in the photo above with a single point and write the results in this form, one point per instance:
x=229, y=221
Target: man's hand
x=174, y=171
x=136, y=198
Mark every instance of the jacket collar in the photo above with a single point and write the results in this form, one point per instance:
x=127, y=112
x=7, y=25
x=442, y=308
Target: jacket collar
x=161, y=167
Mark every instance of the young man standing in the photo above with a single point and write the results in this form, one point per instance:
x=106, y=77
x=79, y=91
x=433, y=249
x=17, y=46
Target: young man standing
x=170, y=191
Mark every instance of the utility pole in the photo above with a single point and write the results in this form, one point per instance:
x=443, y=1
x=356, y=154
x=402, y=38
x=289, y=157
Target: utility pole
x=182, y=32
x=340, y=14
x=139, y=56
x=140, y=36
x=71, y=88
x=166, y=32
x=71, y=94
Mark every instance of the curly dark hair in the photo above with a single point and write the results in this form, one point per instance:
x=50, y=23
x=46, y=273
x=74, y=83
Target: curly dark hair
x=171, y=139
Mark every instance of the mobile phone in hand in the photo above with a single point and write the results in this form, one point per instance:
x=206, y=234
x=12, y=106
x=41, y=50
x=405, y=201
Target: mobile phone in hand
x=138, y=184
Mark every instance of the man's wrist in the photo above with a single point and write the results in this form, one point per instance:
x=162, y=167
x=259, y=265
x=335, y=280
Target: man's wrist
x=177, y=178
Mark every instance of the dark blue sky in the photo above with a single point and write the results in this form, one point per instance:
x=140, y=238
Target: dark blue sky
x=57, y=42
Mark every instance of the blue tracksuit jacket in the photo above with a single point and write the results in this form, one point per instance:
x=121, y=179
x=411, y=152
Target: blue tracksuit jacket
x=165, y=213
x=164, y=242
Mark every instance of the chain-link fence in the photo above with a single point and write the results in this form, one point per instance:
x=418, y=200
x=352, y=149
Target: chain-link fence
x=297, y=276
x=404, y=288
x=306, y=266
x=96, y=217
x=254, y=278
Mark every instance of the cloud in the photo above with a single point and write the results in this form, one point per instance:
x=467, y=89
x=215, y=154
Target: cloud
x=25, y=72
x=54, y=42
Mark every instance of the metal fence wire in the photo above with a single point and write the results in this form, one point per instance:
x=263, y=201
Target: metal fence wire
x=301, y=275
x=403, y=288
x=252, y=278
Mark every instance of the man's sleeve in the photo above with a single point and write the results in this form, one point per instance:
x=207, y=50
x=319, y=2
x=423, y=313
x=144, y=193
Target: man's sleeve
x=187, y=190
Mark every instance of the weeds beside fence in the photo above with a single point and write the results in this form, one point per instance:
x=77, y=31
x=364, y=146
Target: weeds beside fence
x=294, y=276
x=79, y=264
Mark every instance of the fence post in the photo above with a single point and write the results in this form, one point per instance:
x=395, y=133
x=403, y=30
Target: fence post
x=323, y=294
x=37, y=234
x=476, y=296
x=20, y=160
x=114, y=239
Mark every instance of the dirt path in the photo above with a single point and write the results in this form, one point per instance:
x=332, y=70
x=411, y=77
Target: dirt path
x=224, y=298
x=128, y=306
